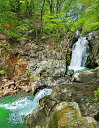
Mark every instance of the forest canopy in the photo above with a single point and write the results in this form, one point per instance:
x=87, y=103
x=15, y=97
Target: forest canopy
x=42, y=19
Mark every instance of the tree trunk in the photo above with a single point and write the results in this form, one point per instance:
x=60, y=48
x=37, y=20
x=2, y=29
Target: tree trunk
x=42, y=9
x=51, y=5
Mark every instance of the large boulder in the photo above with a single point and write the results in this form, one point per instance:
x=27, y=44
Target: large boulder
x=89, y=77
x=64, y=114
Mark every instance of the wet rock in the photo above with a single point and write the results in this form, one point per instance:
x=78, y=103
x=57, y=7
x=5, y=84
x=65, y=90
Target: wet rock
x=78, y=32
x=70, y=72
x=96, y=117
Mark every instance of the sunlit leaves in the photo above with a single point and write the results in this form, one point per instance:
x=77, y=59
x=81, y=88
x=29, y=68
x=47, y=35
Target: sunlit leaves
x=19, y=18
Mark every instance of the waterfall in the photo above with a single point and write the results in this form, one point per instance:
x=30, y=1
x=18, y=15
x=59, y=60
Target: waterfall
x=24, y=106
x=79, y=54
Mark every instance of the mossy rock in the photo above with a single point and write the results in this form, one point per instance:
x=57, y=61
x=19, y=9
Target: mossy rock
x=62, y=115
x=69, y=118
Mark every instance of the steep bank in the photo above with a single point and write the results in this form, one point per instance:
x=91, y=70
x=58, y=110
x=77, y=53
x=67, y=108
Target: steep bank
x=30, y=62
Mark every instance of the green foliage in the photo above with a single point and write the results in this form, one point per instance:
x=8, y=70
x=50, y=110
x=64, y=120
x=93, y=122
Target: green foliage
x=90, y=27
x=96, y=92
x=27, y=73
x=5, y=46
x=88, y=19
x=54, y=27
x=29, y=19
x=4, y=71
x=32, y=78
x=89, y=59
x=8, y=20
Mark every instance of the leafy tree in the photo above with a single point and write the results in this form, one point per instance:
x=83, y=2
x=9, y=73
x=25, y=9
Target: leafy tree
x=19, y=19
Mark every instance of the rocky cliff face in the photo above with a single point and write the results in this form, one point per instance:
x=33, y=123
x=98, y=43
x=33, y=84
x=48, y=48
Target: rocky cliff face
x=93, y=59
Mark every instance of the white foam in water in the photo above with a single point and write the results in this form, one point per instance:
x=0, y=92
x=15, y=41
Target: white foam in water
x=24, y=106
x=79, y=54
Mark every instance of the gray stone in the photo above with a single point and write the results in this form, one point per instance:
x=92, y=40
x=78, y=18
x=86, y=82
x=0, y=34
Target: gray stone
x=89, y=77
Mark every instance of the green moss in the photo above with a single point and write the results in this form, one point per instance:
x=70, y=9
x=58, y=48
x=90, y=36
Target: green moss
x=53, y=121
x=75, y=116
x=89, y=59
x=97, y=74
x=95, y=97
x=59, y=119
x=92, y=126
x=68, y=59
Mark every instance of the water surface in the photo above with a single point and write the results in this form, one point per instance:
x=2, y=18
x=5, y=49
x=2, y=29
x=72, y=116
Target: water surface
x=13, y=110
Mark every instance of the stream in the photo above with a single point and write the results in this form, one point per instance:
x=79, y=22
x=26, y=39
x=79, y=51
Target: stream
x=13, y=110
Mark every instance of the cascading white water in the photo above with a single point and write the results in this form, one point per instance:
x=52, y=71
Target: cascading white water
x=79, y=54
x=24, y=106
